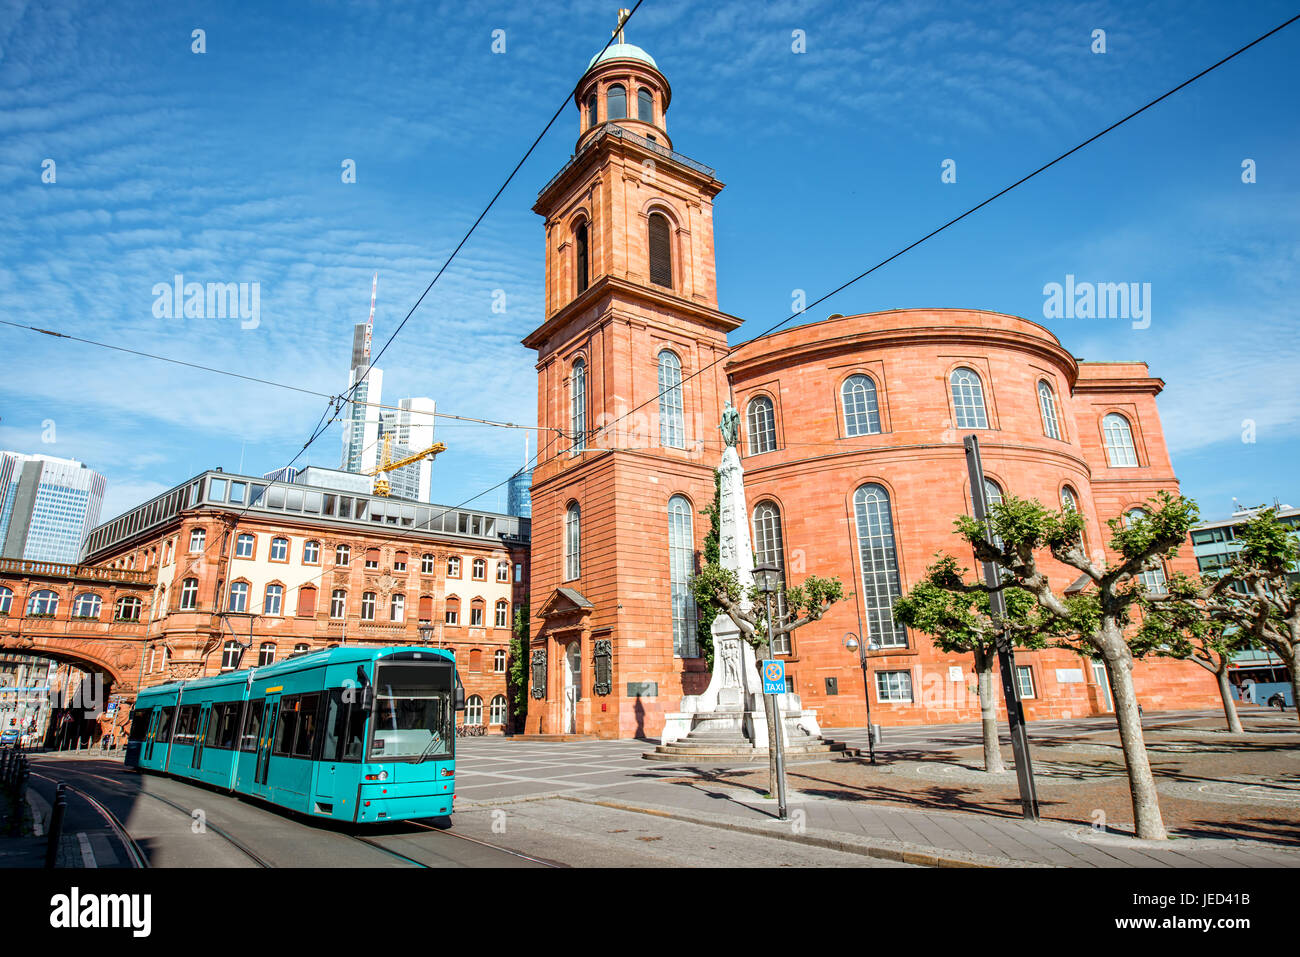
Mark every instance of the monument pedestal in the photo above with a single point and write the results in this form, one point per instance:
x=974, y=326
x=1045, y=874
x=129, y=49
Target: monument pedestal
x=727, y=723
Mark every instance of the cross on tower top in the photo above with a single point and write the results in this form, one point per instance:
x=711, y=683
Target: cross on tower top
x=622, y=19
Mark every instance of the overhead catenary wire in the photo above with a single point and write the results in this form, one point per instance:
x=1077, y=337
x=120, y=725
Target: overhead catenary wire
x=957, y=219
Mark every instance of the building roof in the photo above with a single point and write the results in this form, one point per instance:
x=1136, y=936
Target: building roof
x=623, y=51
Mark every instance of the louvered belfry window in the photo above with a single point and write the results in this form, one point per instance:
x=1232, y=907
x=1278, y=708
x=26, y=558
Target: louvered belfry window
x=661, y=254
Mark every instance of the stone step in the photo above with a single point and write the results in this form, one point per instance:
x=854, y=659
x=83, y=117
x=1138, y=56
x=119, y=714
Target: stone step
x=755, y=757
x=684, y=746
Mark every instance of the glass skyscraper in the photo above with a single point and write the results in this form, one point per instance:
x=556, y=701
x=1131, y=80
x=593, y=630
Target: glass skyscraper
x=47, y=505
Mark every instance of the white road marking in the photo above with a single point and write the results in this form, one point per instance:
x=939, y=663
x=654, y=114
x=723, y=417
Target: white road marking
x=87, y=855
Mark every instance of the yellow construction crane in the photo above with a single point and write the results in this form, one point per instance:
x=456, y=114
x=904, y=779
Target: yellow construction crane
x=385, y=465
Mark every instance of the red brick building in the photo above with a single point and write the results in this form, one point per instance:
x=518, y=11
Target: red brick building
x=852, y=445
x=242, y=571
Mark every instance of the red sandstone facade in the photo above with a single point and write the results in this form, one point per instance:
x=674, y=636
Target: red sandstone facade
x=337, y=583
x=621, y=291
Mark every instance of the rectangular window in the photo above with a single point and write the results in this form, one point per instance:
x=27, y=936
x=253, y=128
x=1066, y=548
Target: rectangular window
x=476, y=616
x=1025, y=681
x=893, y=686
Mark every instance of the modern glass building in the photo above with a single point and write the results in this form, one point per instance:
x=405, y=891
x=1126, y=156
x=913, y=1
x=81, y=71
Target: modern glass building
x=1214, y=544
x=519, y=495
x=47, y=505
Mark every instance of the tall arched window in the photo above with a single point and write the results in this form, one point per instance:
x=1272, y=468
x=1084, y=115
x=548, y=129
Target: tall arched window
x=573, y=543
x=591, y=110
x=993, y=496
x=769, y=549
x=672, y=427
x=1047, y=406
x=6, y=599
x=1069, y=501
x=861, y=409
x=968, y=399
x=1119, y=441
x=578, y=405
x=661, y=251
x=580, y=245
x=474, y=710
x=368, y=606
x=338, y=603
x=645, y=105
x=502, y=614
x=616, y=103
x=498, y=713
x=238, y=597
x=879, y=558
x=761, y=421
x=681, y=565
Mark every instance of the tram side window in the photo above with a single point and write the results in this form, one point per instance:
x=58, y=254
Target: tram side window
x=214, y=726
x=252, y=725
x=308, y=705
x=225, y=718
x=140, y=718
x=286, y=726
x=344, y=728
x=186, y=724
x=165, y=724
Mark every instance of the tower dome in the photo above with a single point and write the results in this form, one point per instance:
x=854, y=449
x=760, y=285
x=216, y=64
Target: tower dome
x=623, y=51
x=623, y=86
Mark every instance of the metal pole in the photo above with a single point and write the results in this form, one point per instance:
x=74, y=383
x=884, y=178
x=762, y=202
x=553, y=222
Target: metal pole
x=1006, y=656
x=866, y=690
x=780, y=729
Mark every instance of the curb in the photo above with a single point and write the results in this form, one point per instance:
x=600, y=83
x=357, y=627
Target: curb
x=883, y=850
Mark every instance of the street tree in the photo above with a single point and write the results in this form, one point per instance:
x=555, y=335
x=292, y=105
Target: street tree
x=1178, y=624
x=961, y=622
x=790, y=610
x=1259, y=591
x=1093, y=615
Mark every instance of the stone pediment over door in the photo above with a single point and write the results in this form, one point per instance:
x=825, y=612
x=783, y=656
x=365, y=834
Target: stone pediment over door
x=565, y=606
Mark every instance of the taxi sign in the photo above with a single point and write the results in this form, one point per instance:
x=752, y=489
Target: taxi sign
x=773, y=671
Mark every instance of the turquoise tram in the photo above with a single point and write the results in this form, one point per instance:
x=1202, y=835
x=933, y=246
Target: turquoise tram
x=349, y=733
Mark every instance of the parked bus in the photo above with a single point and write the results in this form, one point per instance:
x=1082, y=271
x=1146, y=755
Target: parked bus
x=351, y=734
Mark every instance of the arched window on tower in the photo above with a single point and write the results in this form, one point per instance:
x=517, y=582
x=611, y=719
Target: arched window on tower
x=681, y=566
x=591, y=110
x=645, y=106
x=672, y=427
x=1120, y=452
x=616, y=103
x=861, y=406
x=580, y=246
x=661, y=251
x=968, y=399
x=578, y=405
x=1047, y=406
x=762, y=425
x=573, y=542
x=879, y=558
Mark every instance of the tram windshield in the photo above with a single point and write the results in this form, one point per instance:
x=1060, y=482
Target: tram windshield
x=414, y=716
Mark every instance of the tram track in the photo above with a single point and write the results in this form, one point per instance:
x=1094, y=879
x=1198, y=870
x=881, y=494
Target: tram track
x=134, y=853
x=234, y=842
x=251, y=854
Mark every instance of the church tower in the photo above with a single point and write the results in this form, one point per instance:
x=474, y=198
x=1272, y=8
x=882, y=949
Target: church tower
x=629, y=393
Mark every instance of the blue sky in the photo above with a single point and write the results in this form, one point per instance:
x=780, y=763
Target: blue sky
x=225, y=167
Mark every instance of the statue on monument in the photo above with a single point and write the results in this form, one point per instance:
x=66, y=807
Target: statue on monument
x=730, y=426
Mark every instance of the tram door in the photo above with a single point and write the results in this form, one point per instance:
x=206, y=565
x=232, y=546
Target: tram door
x=154, y=718
x=201, y=734
x=270, y=714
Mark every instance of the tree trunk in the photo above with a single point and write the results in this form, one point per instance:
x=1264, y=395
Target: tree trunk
x=988, y=712
x=1295, y=676
x=1225, y=692
x=1141, y=782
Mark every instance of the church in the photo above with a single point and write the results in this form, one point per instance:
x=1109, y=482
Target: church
x=851, y=442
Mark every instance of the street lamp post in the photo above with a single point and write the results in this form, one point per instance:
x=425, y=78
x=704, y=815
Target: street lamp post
x=426, y=633
x=854, y=643
x=767, y=578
